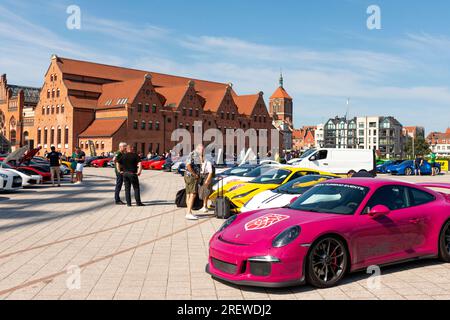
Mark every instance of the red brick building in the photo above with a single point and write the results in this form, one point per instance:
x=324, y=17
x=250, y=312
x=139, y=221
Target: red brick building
x=83, y=101
x=440, y=142
x=17, y=108
x=304, y=138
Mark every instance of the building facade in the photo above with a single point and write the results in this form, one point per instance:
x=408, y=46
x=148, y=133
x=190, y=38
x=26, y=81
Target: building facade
x=440, y=143
x=340, y=133
x=383, y=134
x=17, y=110
x=304, y=138
x=414, y=132
x=83, y=103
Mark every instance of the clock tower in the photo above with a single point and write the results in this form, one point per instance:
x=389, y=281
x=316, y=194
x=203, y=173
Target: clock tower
x=280, y=104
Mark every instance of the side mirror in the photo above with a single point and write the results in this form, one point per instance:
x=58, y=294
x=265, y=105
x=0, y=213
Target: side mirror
x=313, y=158
x=293, y=200
x=379, y=211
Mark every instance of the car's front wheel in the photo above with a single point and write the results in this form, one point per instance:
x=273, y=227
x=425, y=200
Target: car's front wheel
x=444, y=243
x=326, y=263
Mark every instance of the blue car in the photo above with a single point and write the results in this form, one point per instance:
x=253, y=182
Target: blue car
x=385, y=167
x=407, y=168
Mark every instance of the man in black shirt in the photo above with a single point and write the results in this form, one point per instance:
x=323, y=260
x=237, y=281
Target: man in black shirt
x=131, y=167
x=54, y=158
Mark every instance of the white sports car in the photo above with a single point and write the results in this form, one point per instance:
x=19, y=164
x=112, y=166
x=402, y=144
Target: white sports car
x=27, y=179
x=284, y=194
x=11, y=181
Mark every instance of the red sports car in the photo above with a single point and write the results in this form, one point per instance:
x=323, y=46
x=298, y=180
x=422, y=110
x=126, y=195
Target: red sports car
x=158, y=165
x=147, y=163
x=336, y=227
x=101, y=163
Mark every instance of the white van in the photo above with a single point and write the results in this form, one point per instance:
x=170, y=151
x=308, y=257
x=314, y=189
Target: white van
x=339, y=161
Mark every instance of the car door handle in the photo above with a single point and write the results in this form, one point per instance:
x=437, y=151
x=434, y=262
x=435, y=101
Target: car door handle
x=415, y=221
x=325, y=164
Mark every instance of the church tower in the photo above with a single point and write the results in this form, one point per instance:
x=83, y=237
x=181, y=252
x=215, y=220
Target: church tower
x=280, y=104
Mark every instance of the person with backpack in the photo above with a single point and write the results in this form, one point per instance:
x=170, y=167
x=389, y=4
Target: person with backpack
x=192, y=179
x=206, y=177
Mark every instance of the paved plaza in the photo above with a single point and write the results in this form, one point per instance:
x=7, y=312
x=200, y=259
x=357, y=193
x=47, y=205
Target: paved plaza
x=74, y=243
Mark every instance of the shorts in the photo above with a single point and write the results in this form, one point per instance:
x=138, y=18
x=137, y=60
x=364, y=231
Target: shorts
x=79, y=167
x=191, y=184
x=55, y=171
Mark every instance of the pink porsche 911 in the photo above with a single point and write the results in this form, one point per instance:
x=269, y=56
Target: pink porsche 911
x=336, y=227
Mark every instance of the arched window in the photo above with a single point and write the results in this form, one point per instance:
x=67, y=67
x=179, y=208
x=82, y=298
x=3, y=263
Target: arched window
x=59, y=137
x=66, y=137
x=39, y=137
x=52, y=136
x=45, y=136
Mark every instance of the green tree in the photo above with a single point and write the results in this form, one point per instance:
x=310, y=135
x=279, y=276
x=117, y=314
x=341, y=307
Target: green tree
x=418, y=146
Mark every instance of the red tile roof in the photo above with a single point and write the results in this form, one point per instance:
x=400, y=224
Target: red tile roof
x=83, y=103
x=246, y=103
x=212, y=99
x=83, y=86
x=172, y=95
x=102, y=71
x=103, y=128
x=120, y=93
x=280, y=93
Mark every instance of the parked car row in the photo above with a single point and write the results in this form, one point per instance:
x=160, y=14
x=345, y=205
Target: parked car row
x=407, y=168
x=23, y=168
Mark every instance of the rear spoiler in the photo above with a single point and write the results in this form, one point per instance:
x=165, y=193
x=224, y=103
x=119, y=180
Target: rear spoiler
x=435, y=185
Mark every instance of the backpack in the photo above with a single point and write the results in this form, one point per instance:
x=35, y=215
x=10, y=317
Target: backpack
x=180, y=200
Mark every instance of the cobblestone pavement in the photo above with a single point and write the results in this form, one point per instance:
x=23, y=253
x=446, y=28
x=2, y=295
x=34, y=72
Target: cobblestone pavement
x=50, y=235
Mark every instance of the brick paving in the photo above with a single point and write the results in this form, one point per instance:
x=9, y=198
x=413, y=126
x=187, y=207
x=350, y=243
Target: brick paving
x=149, y=252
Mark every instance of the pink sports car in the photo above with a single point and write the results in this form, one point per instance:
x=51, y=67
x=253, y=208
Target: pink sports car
x=336, y=227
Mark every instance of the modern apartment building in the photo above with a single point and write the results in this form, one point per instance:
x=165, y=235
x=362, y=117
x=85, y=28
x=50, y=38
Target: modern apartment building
x=383, y=134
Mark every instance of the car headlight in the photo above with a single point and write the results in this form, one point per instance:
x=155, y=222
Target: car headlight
x=227, y=223
x=286, y=237
x=4, y=176
x=243, y=194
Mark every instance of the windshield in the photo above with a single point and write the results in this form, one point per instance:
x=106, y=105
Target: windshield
x=237, y=171
x=5, y=166
x=332, y=198
x=301, y=185
x=307, y=153
x=274, y=176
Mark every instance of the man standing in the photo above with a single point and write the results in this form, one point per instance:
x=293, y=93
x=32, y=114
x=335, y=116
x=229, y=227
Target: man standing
x=119, y=176
x=54, y=158
x=79, y=157
x=131, y=167
x=433, y=163
x=418, y=163
x=192, y=178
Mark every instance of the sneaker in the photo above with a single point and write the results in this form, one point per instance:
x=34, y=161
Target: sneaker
x=190, y=216
x=140, y=205
x=204, y=210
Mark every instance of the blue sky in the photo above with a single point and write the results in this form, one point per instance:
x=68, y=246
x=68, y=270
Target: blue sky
x=324, y=48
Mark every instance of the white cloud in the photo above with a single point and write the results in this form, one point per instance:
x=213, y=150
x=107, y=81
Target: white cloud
x=403, y=84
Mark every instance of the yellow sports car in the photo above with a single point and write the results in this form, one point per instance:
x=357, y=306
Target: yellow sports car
x=240, y=192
